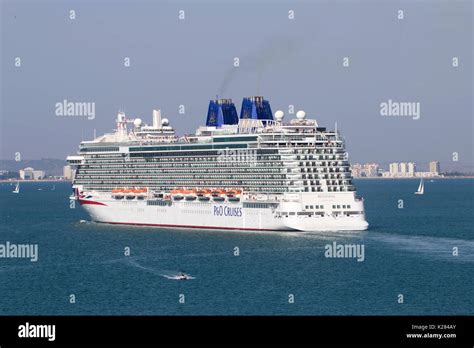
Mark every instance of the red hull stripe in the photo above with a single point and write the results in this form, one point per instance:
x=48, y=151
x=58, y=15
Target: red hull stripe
x=83, y=201
x=196, y=227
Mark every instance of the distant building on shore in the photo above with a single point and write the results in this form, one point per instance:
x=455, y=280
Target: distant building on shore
x=401, y=170
x=408, y=170
x=68, y=172
x=30, y=173
x=368, y=170
x=394, y=169
x=435, y=167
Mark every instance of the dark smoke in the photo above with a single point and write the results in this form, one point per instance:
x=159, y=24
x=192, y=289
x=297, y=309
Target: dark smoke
x=275, y=50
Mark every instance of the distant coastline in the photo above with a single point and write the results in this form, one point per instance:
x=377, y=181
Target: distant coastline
x=360, y=178
x=39, y=181
x=416, y=178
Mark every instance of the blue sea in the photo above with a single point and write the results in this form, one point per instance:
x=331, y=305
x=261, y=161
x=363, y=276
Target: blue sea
x=408, y=252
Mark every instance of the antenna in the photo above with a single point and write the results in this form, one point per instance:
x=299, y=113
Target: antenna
x=94, y=133
x=335, y=130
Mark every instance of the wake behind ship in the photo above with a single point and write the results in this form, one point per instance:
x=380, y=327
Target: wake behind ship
x=252, y=172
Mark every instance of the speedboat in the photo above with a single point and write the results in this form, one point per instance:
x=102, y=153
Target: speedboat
x=182, y=276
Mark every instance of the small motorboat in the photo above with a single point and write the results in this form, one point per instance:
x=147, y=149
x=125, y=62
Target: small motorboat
x=182, y=276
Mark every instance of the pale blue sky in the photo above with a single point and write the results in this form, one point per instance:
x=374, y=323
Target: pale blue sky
x=187, y=62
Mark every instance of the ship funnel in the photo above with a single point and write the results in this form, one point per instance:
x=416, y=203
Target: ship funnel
x=256, y=108
x=220, y=112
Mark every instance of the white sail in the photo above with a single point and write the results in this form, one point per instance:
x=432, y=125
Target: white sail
x=421, y=188
x=17, y=188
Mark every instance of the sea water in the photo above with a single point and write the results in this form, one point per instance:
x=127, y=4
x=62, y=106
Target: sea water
x=418, y=260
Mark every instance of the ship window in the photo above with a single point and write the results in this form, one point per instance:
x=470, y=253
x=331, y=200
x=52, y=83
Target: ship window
x=338, y=207
x=312, y=207
x=348, y=207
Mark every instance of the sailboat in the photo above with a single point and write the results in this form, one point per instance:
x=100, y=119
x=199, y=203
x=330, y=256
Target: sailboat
x=421, y=188
x=17, y=188
x=53, y=188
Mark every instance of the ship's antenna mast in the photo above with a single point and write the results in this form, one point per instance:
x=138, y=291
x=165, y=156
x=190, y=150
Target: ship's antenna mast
x=335, y=130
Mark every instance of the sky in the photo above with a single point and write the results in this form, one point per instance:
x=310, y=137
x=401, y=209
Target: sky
x=290, y=61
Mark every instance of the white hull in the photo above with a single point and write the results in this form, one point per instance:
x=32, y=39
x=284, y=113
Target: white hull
x=212, y=215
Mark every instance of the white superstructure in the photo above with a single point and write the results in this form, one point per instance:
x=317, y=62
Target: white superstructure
x=249, y=173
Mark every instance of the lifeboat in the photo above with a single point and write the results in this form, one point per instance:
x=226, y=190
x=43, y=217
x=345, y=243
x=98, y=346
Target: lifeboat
x=130, y=190
x=141, y=194
x=200, y=193
x=204, y=198
x=177, y=194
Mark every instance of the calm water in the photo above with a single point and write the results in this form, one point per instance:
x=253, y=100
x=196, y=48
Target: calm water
x=407, y=251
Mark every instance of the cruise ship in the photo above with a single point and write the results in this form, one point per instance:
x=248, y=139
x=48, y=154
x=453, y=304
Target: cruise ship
x=252, y=172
